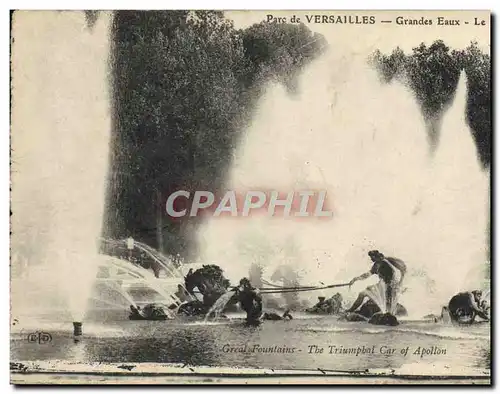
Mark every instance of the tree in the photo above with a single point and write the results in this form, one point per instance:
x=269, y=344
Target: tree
x=432, y=72
x=175, y=89
x=477, y=66
x=184, y=84
x=391, y=66
x=280, y=51
x=210, y=282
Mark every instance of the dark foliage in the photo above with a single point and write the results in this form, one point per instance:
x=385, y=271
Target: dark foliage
x=432, y=72
x=184, y=83
x=210, y=282
x=477, y=67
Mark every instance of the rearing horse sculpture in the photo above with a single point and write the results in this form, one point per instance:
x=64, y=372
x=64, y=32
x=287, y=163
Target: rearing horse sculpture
x=210, y=282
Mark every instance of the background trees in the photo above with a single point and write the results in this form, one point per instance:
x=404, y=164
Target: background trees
x=477, y=67
x=184, y=84
x=432, y=72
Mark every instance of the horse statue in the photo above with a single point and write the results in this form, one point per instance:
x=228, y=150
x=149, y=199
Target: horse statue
x=210, y=282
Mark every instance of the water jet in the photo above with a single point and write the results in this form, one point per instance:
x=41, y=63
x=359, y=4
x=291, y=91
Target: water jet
x=337, y=145
x=60, y=231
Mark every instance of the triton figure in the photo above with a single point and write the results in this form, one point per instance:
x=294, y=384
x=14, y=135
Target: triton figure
x=464, y=307
x=391, y=272
x=250, y=301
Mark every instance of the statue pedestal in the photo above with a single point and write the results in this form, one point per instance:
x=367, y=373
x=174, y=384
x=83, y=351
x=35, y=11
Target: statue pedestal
x=384, y=319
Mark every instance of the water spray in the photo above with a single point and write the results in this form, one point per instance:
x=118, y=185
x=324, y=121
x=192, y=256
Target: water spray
x=431, y=196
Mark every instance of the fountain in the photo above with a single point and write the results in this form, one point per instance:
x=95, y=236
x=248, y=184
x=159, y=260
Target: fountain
x=218, y=307
x=61, y=130
x=59, y=166
x=365, y=143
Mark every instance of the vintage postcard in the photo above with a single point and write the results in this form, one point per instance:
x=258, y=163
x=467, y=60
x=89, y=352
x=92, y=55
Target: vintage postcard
x=249, y=197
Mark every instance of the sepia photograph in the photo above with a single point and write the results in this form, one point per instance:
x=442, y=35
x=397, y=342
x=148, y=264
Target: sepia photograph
x=250, y=197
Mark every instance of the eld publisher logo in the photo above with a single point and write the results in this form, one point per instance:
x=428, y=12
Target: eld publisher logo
x=39, y=337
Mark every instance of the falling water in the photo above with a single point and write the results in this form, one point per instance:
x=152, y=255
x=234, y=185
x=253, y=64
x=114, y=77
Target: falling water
x=365, y=143
x=60, y=138
x=101, y=295
x=219, y=305
x=379, y=295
